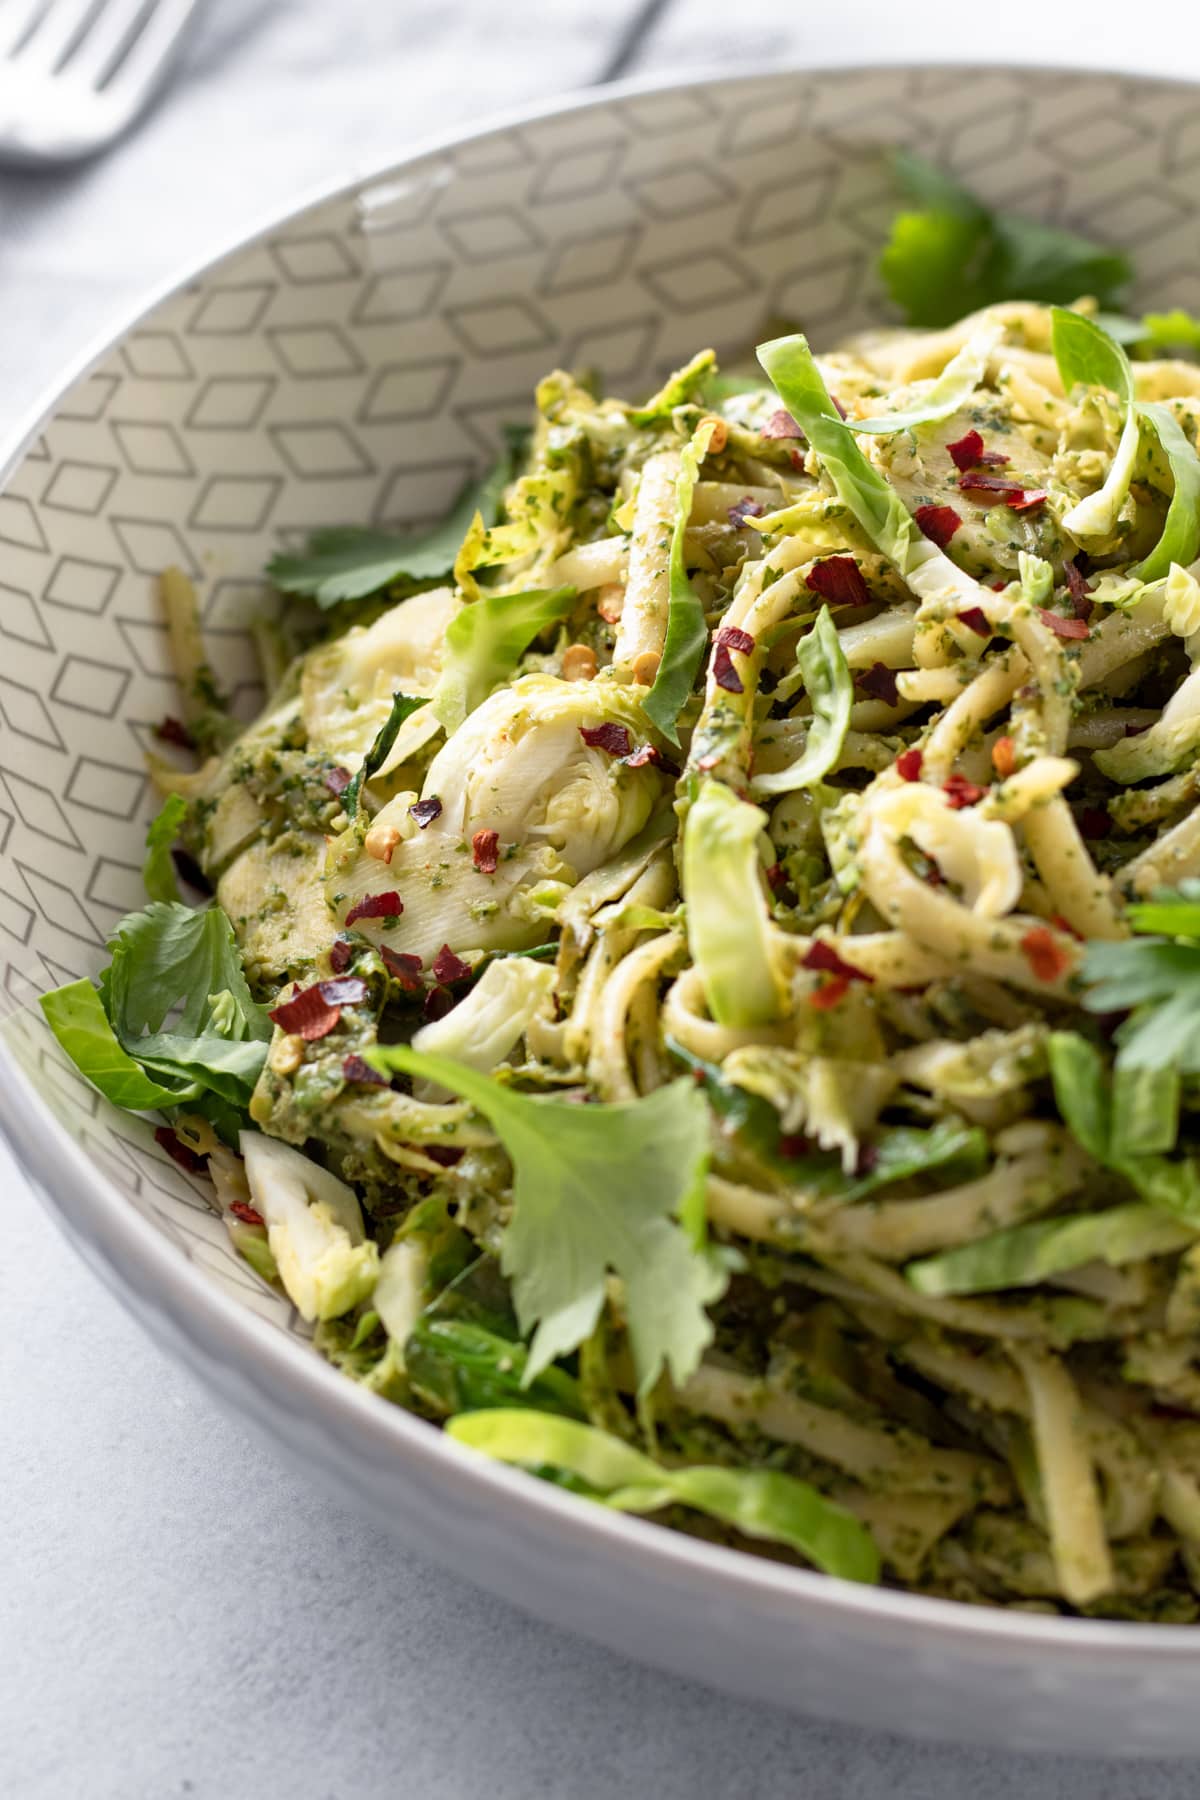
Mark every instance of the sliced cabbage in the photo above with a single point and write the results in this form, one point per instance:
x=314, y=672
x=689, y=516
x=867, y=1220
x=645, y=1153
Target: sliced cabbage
x=729, y=929
x=346, y=686
x=1168, y=743
x=492, y=1019
x=518, y=766
x=314, y=1227
x=1088, y=357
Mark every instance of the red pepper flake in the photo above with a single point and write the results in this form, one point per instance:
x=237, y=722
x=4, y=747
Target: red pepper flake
x=1025, y=499
x=777, y=878
x=745, y=509
x=340, y=954
x=976, y=620
x=651, y=754
x=249, y=1215
x=426, y=811
x=830, y=992
x=485, y=850
x=438, y=1002
x=880, y=682
x=355, y=1069
x=1063, y=628
x=1004, y=757
x=938, y=523
x=1046, y=957
x=797, y=460
x=908, y=765
x=403, y=968
x=616, y=739
x=734, y=638
x=1094, y=822
x=178, y=1151
x=998, y=489
x=1061, y=924
x=781, y=425
x=174, y=731
x=960, y=792
x=448, y=968
x=839, y=580
x=966, y=451
x=724, y=673
x=821, y=955
x=337, y=780
x=376, y=906
x=313, y=1013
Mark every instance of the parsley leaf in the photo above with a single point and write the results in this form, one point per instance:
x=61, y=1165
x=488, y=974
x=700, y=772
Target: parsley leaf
x=351, y=562
x=952, y=255
x=1154, y=978
x=596, y=1189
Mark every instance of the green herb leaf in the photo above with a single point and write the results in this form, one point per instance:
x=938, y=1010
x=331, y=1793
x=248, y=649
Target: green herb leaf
x=351, y=563
x=403, y=707
x=77, y=1018
x=1088, y=1106
x=1028, y=1254
x=1180, y=540
x=158, y=870
x=955, y=255
x=1156, y=979
x=728, y=925
x=830, y=688
x=169, y=956
x=687, y=633
x=759, y=1502
x=485, y=642
x=597, y=1189
x=456, y=1367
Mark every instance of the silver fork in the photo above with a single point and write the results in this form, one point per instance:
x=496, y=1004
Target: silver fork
x=75, y=74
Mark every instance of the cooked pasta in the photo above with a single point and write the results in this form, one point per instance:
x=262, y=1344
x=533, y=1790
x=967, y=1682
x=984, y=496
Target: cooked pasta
x=682, y=926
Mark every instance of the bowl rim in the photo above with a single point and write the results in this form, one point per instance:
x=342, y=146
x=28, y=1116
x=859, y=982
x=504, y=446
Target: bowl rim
x=52, y=1160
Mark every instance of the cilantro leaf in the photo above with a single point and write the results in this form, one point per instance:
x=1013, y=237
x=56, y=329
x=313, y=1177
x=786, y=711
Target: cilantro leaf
x=485, y=641
x=351, y=562
x=761, y=1502
x=158, y=870
x=952, y=255
x=1154, y=978
x=597, y=1189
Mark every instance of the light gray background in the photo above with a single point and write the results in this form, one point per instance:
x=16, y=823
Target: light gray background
x=179, y=1615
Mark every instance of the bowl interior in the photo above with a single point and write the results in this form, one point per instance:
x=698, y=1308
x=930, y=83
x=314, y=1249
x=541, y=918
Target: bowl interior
x=356, y=364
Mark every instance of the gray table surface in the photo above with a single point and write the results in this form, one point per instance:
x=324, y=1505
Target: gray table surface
x=179, y=1615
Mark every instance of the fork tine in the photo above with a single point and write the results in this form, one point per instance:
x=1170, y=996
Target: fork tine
x=136, y=72
x=97, y=53
x=16, y=17
x=57, y=29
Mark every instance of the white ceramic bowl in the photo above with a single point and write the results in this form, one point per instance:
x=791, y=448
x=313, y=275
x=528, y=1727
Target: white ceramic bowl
x=353, y=362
